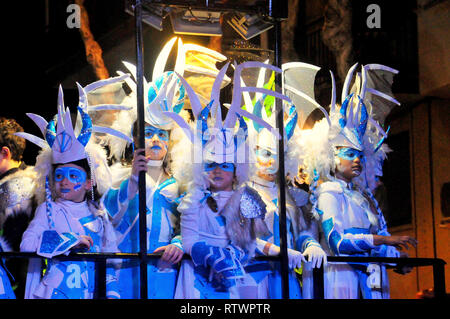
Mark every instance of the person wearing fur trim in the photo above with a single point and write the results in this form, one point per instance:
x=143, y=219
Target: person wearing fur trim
x=164, y=93
x=300, y=241
x=221, y=216
x=343, y=153
x=16, y=205
x=72, y=172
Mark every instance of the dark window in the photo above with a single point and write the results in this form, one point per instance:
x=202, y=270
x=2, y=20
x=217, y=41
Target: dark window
x=395, y=196
x=393, y=44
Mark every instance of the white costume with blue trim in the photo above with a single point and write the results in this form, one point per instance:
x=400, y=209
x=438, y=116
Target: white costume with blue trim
x=346, y=219
x=162, y=229
x=69, y=279
x=220, y=243
x=269, y=193
x=218, y=266
x=164, y=93
x=348, y=223
x=58, y=224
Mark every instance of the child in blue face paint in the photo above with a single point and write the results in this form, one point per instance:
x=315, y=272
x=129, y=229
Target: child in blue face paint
x=76, y=225
x=71, y=171
x=122, y=204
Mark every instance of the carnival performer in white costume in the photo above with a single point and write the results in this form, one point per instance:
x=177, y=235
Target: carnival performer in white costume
x=343, y=151
x=162, y=143
x=71, y=169
x=264, y=181
x=298, y=84
x=221, y=216
x=122, y=201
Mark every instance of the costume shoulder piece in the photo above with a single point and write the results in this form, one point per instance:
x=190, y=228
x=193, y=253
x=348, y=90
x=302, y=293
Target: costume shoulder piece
x=17, y=191
x=330, y=187
x=244, y=215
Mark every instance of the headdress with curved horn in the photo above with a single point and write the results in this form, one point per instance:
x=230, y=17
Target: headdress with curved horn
x=59, y=133
x=220, y=142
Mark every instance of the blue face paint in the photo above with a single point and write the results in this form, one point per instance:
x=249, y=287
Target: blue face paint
x=227, y=167
x=74, y=175
x=150, y=131
x=350, y=154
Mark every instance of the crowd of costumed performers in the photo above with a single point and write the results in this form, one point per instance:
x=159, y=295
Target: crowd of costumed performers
x=211, y=184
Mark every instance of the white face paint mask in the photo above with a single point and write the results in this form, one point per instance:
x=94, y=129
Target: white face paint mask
x=266, y=161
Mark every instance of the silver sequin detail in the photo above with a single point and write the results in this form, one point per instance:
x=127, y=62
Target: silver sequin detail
x=251, y=204
x=14, y=191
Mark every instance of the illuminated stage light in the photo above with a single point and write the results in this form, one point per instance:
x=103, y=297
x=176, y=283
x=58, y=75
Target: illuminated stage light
x=248, y=26
x=196, y=22
x=152, y=15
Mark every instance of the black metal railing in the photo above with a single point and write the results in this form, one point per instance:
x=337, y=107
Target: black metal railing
x=100, y=259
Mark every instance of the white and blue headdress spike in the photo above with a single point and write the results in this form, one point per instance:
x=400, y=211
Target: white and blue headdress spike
x=222, y=135
x=84, y=91
x=165, y=92
x=370, y=95
x=59, y=133
x=298, y=85
x=353, y=123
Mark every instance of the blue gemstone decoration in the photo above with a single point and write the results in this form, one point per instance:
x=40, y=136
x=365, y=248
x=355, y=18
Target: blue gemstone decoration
x=50, y=132
x=86, y=129
x=290, y=126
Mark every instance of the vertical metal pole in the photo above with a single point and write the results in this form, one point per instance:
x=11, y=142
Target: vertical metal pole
x=318, y=287
x=100, y=279
x=281, y=171
x=141, y=144
x=439, y=278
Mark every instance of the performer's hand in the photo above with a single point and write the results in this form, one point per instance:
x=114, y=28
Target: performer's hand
x=316, y=256
x=86, y=242
x=172, y=254
x=295, y=258
x=139, y=162
x=398, y=242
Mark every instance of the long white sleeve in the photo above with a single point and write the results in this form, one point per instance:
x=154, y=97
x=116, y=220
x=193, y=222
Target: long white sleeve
x=32, y=235
x=189, y=209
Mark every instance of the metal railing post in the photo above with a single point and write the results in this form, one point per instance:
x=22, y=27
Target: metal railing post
x=141, y=144
x=100, y=279
x=276, y=13
x=439, y=279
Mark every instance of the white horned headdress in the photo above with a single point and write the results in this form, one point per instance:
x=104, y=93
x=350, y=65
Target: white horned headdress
x=296, y=109
x=220, y=140
x=351, y=125
x=64, y=143
x=165, y=92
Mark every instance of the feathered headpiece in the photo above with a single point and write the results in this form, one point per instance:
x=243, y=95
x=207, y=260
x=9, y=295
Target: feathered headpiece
x=351, y=125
